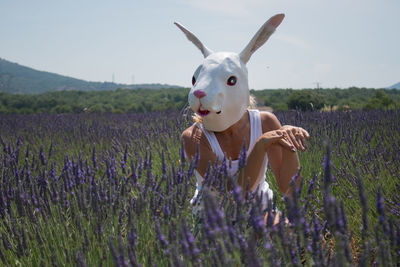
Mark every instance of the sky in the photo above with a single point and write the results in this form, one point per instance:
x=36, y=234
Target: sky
x=320, y=43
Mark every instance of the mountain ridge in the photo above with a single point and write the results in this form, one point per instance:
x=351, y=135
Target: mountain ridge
x=16, y=78
x=395, y=86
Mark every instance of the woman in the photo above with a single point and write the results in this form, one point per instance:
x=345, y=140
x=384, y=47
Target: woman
x=276, y=145
x=220, y=98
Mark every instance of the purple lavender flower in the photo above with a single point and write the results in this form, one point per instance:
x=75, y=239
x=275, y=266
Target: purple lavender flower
x=161, y=238
x=380, y=207
x=242, y=155
x=3, y=258
x=94, y=158
x=41, y=155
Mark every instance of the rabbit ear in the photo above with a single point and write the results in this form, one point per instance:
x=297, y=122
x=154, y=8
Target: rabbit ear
x=261, y=37
x=206, y=52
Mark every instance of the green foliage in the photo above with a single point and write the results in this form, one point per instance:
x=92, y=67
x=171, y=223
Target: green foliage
x=146, y=100
x=379, y=100
x=305, y=100
x=119, y=101
x=353, y=98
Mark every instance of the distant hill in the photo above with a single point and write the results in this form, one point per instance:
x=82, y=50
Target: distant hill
x=395, y=86
x=15, y=78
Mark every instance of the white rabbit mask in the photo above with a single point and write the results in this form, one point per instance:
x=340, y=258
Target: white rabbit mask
x=220, y=92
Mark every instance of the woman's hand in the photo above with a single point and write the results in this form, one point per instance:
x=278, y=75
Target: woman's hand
x=296, y=136
x=277, y=137
x=290, y=137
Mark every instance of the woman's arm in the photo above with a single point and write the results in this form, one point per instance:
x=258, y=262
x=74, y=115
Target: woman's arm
x=249, y=174
x=284, y=162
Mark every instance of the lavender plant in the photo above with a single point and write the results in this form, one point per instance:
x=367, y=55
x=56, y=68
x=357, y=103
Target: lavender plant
x=101, y=190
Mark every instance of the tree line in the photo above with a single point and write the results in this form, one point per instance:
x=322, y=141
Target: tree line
x=145, y=100
x=317, y=99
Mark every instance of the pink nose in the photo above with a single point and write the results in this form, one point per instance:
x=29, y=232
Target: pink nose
x=199, y=93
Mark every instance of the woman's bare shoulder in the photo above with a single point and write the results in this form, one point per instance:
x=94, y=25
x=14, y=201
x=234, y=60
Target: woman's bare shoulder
x=191, y=134
x=269, y=121
x=192, y=137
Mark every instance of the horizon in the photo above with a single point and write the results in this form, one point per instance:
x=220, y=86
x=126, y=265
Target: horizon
x=129, y=42
x=173, y=85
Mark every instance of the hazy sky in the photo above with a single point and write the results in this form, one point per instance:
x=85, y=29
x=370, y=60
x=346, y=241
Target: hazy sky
x=336, y=43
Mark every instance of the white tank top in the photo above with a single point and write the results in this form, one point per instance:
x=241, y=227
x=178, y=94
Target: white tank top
x=261, y=183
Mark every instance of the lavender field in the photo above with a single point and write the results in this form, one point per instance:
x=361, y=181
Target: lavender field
x=114, y=190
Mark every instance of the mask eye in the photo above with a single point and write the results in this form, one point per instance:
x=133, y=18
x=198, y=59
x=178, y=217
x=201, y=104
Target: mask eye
x=231, y=81
x=196, y=74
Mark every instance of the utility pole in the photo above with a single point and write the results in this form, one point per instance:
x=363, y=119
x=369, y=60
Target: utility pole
x=318, y=84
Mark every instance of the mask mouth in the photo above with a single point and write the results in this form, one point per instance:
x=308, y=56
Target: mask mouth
x=203, y=112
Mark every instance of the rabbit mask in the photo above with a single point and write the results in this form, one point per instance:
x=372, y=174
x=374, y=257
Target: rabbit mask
x=220, y=92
